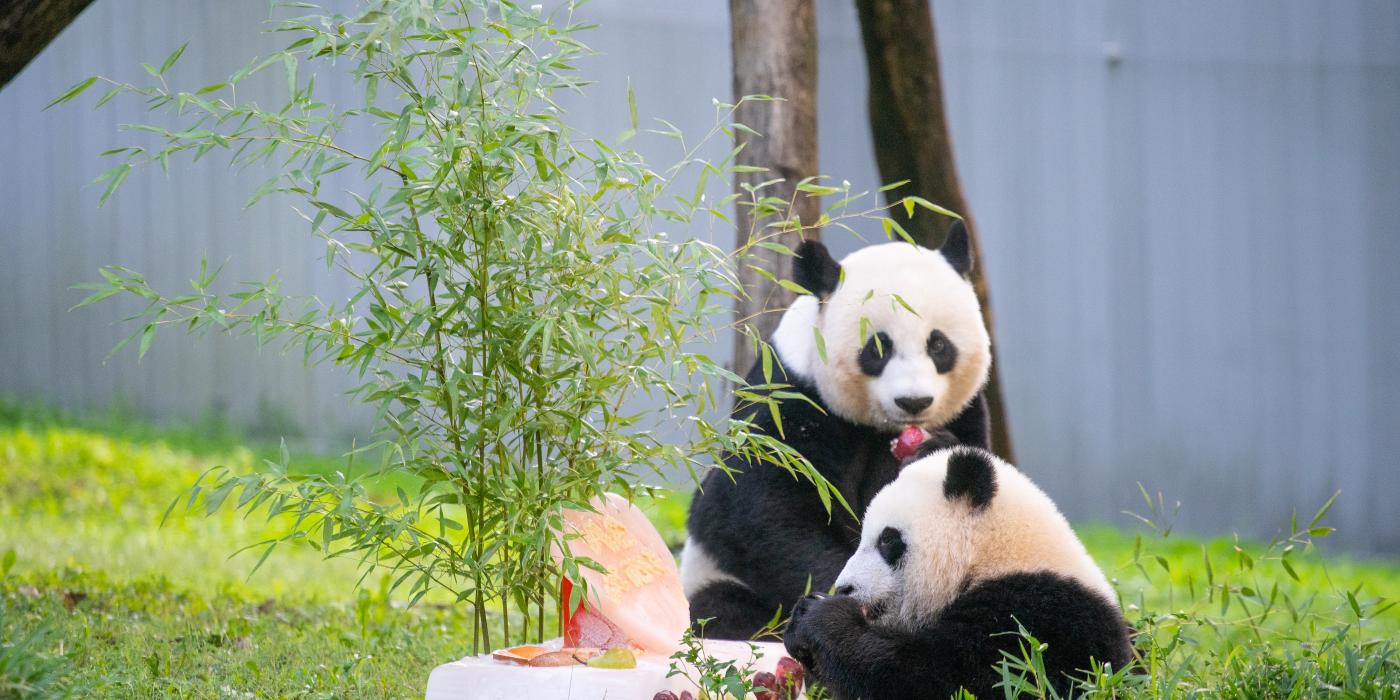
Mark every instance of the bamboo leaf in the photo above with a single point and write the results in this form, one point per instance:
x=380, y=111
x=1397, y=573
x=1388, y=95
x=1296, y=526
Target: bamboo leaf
x=114, y=177
x=147, y=335
x=95, y=297
x=172, y=58
x=72, y=92
x=631, y=105
x=1323, y=510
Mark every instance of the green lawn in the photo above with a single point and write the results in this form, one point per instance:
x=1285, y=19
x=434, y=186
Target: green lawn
x=101, y=600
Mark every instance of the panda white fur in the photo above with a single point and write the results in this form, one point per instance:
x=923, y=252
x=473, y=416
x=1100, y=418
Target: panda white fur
x=904, y=344
x=953, y=555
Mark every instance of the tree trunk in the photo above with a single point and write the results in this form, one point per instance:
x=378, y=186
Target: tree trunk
x=912, y=142
x=774, y=50
x=27, y=26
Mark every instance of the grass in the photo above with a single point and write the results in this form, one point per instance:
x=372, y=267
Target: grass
x=101, y=600
x=98, y=599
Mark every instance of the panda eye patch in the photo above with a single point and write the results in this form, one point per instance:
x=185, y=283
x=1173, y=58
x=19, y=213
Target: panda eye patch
x=876, y=354
x=943, y=352
x=891, y=546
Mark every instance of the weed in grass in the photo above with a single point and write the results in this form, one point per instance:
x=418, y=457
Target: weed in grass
x=31, y=657
x=1247, y=625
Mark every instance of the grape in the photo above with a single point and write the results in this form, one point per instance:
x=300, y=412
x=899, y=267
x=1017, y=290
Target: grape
x=616, y=657
x=665, y=695
x=789, y=677
x=765, y=685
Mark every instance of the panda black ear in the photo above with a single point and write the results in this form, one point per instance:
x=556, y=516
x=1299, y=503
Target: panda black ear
x=815, y=270
x=957, y=249
x=971, y=474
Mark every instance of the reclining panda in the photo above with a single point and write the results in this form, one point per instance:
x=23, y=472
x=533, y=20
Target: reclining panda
x=954, y=555
x=904, y=345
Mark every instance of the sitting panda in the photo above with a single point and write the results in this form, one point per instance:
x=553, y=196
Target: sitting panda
x=904, y=344
x=954, y=554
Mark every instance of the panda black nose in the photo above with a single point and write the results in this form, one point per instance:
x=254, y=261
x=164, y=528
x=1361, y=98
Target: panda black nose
x=913, y=404
x=845, y=590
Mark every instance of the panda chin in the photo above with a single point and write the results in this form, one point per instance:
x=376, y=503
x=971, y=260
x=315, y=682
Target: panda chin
x=893, y=423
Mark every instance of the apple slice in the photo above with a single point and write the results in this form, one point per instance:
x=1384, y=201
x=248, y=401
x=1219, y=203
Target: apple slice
x=585, y=628
x=907, y=444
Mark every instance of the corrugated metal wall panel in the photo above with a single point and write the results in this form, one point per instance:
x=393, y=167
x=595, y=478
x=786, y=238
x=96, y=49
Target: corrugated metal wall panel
x=1191, y=213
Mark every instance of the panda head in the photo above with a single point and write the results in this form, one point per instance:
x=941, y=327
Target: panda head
x=902, y=328
x=952, y=519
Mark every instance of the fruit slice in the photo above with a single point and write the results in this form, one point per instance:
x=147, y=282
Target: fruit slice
x=568, y=656
x=765, y=685
x=555, y=658
x=616, y=657
x=639, y=601
x=585, y=628
x=907, y=444
x=790, y=676
x=518, y=655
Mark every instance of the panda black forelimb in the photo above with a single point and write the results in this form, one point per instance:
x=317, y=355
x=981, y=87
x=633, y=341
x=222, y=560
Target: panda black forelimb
x=855, y=658
x=973, y=427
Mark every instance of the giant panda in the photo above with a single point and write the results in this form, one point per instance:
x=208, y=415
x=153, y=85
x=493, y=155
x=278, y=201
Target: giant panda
x=954, y=555
x=904, y=343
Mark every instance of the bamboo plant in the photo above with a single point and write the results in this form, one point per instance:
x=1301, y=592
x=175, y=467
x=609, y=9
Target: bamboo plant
x=515, y=291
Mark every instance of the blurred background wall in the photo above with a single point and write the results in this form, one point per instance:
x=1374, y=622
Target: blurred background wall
x=1190, y=215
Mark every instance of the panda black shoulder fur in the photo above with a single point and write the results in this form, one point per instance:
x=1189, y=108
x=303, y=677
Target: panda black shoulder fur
x=953, y=555
x=904, y=344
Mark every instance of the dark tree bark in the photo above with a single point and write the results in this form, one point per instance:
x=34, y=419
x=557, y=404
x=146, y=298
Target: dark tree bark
x=912, y=142
x=774, y=50
x=27, y=26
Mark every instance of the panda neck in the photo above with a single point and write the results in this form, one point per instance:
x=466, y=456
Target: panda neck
x=1029, y=535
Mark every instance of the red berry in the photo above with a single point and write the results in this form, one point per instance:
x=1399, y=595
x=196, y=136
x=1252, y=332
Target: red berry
x=789, y=677
x=904, y=446
x=665, y=695
x=765, y=685
x=685, y=695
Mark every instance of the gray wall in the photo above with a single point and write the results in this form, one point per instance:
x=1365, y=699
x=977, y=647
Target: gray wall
x=1190, y=215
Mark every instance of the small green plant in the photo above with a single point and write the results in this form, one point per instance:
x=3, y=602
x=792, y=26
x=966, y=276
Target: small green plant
x=1023, y=674
x=714, y=679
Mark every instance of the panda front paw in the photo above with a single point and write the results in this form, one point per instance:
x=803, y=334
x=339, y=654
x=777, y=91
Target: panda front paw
x=938, y=439
x=942, y=439
x=805, y=604
x=797, y=637
x=817, y=623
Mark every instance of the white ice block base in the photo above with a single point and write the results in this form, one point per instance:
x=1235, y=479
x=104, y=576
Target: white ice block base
x=483, y=678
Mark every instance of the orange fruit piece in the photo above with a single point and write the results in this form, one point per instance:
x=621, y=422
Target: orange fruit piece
x=518, y=655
